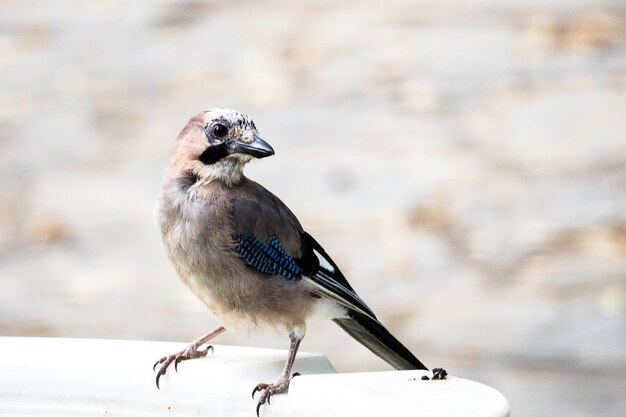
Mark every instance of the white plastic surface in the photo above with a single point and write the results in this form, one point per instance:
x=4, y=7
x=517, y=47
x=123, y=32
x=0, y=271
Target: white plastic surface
x=78, y=377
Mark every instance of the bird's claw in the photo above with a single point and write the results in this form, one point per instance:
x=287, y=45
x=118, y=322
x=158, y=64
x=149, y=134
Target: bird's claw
x=255, y=390
x=266, y=394
x=190, y=352
x=161, y=372
x=267, y=390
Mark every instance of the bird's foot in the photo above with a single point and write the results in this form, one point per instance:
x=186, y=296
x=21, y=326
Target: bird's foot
x=267, y=390
x=190, y=352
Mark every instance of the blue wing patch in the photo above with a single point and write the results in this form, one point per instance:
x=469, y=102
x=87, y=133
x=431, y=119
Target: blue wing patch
x=270, y=258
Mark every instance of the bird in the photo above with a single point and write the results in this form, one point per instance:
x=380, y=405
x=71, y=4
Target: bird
x=246, y=256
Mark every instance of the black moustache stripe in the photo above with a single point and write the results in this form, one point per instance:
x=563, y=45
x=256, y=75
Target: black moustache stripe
x=213, y=154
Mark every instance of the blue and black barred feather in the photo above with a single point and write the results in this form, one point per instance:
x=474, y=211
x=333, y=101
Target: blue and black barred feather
x=268, y=257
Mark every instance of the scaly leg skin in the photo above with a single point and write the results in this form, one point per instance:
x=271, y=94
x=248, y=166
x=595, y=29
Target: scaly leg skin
x=282, y=383
x=190, y=352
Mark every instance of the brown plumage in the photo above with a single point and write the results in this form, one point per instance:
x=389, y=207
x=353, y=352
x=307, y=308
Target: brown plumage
x=245, y=254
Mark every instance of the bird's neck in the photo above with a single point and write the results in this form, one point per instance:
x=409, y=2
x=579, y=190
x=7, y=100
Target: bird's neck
x=227, y=171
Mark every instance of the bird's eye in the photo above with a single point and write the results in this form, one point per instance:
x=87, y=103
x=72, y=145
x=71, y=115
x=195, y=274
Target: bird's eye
x=219, y=130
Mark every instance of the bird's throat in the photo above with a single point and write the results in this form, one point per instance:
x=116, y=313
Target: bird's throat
x=229, y=171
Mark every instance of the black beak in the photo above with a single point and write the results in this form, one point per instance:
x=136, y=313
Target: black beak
x=258, y=148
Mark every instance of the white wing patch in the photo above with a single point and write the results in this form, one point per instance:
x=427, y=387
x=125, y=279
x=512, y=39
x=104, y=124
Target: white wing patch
x=323, y=262
x=325, y=292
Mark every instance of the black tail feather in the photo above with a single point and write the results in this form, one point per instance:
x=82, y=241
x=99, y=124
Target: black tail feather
x=373, y=335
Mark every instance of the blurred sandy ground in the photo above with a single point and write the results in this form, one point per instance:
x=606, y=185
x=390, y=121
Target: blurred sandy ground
x=464, y=162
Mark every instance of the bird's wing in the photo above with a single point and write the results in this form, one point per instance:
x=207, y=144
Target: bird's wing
x=323, y=277
x=270, y=239
x=268, y=257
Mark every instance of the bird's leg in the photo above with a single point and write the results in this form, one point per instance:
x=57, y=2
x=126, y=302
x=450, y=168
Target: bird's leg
x=190, y=352
x=282, y=383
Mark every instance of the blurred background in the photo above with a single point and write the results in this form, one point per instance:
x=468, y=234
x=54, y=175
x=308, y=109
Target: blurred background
x=463, y=161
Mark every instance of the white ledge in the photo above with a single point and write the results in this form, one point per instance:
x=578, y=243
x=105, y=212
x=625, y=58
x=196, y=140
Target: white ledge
x=81, y=377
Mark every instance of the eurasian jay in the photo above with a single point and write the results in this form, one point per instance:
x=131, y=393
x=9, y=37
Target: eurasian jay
x=245, y=254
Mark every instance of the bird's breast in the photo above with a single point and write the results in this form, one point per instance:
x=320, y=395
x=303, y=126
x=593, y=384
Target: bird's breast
x=198, y=231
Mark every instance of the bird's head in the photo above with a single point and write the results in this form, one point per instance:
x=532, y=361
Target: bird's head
x=216, y=144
